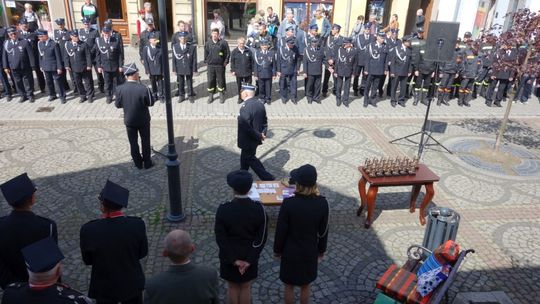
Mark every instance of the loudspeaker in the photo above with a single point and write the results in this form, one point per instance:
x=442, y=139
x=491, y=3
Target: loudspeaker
x=441, y=41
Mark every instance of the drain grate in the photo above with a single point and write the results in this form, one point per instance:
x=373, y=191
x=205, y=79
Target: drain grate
x=45, y=109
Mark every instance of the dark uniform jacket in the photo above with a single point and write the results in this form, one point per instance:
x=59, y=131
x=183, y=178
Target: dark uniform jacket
x=420, y=64
x=116, y=34
x=135, y=99
x=78, y=56
x=416, y=45
x=242, y=62
x=191, y=283
x=50, y=56
x=345, y=62
x=241, y=230
x=391, y=43
x=32, y=39
x=61, y=37
x=331, y=45
x=113, y=247
x=175, y=38
x=306, y=41
x=400, y=61
x=109, y=56
x=313, y=61
x=508, y=57
x=256, y=41
x=90, y=39
x=288, y=60
x=252, y=123
x=455, y=66
x=216, y=53
x=18, y=230
x=361, y=43
x=184, y=61
x=152, y=60
x=265, y=64
x=144, y=41
x=375, y=63
x=18, y=55
x=471, y=64
x=486, y=54
x=302, y=229
x=18, y=293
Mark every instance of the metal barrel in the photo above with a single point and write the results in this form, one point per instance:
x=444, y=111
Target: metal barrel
x=442, y=225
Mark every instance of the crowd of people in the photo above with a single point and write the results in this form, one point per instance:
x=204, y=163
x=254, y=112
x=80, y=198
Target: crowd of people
x=368, y=59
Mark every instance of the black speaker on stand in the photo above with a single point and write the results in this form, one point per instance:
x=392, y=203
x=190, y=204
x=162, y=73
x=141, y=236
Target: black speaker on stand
x=440, y=48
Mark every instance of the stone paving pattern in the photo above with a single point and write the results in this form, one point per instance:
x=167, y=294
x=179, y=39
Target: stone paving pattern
x=500, y=215
x=73, y=110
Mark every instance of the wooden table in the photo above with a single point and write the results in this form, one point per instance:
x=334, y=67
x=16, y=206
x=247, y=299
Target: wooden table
x=273, y=199
x=424, y=177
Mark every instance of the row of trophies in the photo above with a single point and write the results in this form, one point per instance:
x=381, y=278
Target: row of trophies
x=391, y=166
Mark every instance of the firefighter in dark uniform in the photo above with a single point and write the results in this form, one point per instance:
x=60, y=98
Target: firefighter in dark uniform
x=311, y=34
x=241, y=230
x=145, y=37
x=375, y=68
x=114, y=33
x=110, y=59
x=471, y=65
x=391, y=42
x=400, y=69
x=313, y=61
x=288, y=65
x=360, y=43
x=424, y=72
x=51, y=64
x=242, y=64
x=79, y=61
x=216, y=56
x=344, y=66
x=252, y=128
x=7, y=88
x=61, y=36
x=152, y=65
x=265, y=70
x=32, y=38
x=20, y=228
x=486, y=52
x=42, y=260
x=501, y=76
x=113, y=246
x=89, y=35
x=135, y=99
x=18, y=58
x=184, y=65
x=417, y=43
x=333, y=42
x=448, y=71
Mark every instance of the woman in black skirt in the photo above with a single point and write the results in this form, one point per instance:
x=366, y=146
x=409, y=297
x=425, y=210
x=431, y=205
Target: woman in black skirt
x=301, y=234
x=241, y=231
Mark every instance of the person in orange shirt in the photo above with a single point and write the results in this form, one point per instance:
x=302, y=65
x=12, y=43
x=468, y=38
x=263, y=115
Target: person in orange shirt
x=394, y=24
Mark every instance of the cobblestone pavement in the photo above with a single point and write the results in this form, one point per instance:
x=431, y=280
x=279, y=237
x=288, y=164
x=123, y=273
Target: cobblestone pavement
x=500, y=214
x=73, y=110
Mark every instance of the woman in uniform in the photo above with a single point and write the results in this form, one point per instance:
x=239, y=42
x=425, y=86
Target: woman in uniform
x=241, y=231
x=301, y=234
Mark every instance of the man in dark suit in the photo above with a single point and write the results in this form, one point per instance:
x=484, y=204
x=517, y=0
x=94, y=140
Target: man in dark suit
x=252, y=127
x=113, y=246
x=61, y=36
x=79, y=60
x=241, y=64
x=400, y=69
x=313, y=61
x=185, y=66
x=17, y=58
x=288, y=64
x=20, y=228
x=264, y=71
x=110, y=59
x=32, y=38
x=344, y=66
x=184, y=281
x=51, y=64
x=135, y=99
x=88, y=35
x=501, y=76
x=361, y=43
x=375, y=68
x=42, y=260
x=152, y=65
x=145, y=37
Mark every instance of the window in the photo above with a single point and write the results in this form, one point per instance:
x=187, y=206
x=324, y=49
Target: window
x=304, y=10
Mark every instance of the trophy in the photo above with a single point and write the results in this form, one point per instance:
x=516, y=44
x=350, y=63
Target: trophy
x=386, y=167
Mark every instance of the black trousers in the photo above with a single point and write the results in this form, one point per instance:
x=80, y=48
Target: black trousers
x=156, y=82
x=216, y=79
x=359, y=86
x=52, y=78
x=288, y=86
x=265, y=89
x=84, y=83
x=503, y=83
x=40, y=78
x=391, y=81
x=249, y=160
x=313, y=87
x=183, y=81
x=100, y=79
x=381, y=85
x=5, y=83
x=110, y=78
x=240, y=80
x=400, y=81
x=133, y=134
x=372, y=88
x=422, y=83
x=24, y=82
x=343, y=86
x=446, y=85
x=134, y=300
x=326, y=79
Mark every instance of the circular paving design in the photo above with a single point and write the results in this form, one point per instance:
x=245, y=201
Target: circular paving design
x=520, y=236
x=475, y=153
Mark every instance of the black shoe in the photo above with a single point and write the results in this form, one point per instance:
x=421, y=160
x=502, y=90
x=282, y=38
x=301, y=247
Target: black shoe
x=338, y=102
x=268, y=102
x=177, y=94
x=497, y=104
x=90, y=99
x=365, y=104
x=401, y=104
x=295, y=101
x=221, y=97
x=138, y=165
x=22, y=99
x=101, y=89
x=309, y=101
x=192, y=99
x=325, y=94
x=488, y=103
x=393, y=103
x=356, y=93
x=466, y=103
x=283, y=100
x=444, y=102
x=31, y=99
x=210, y=99
x=51, y=98
x=109, y=99
x=181, y=98
x=374, y=104
x=148, y=165
x=9, y=98
x=346, y=104
x=83, y=99
x=63, y=100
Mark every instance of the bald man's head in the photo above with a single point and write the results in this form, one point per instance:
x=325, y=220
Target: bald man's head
x=178, y=246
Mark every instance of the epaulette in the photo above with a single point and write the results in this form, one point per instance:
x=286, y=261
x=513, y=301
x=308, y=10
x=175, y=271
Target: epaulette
x=17, y=285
